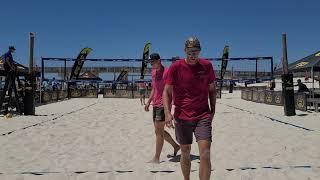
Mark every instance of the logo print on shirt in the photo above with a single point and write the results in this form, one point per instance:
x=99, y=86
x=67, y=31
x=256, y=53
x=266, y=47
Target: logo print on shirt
x=200, y=74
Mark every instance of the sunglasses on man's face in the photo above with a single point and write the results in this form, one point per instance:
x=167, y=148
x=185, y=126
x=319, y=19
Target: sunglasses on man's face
x=193, y=52
x=152, y=61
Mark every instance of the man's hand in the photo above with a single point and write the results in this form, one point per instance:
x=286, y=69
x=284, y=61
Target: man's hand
x=211, y=116
x=213, y=112
x=146, y=107
x=169, y=120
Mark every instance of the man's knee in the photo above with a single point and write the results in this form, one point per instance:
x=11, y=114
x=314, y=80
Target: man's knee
x=185, y=149
x=205, y=154
x=159, y=131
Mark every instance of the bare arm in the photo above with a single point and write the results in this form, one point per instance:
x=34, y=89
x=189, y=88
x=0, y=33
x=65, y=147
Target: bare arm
x=151, y=96
x=212, y=97
x=167, y=98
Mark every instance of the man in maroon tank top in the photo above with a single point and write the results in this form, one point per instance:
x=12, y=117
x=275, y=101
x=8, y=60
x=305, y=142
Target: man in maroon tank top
x=190, y=83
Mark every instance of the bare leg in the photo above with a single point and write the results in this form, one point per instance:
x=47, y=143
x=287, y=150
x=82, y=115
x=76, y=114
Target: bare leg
x=144, y=99
x=185, y=161
x=205, y=162
x=141, y=99
x=6, y=87
x=159, y=130
x=169, y=139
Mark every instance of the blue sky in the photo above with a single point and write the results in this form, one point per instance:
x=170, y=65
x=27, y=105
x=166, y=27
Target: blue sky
x=119, y=29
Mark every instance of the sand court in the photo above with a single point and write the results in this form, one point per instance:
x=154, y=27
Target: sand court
x=114, y=138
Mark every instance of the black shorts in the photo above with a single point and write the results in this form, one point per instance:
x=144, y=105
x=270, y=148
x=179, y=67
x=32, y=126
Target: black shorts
x=158, y=114
x=142, y=91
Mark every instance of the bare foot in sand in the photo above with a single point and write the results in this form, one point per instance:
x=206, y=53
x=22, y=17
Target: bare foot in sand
x=154, y=161
x=176, y=149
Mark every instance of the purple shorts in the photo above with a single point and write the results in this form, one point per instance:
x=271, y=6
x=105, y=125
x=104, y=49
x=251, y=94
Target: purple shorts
x=202, y=130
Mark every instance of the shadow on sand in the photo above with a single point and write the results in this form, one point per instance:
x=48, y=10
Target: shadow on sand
x=177, y=158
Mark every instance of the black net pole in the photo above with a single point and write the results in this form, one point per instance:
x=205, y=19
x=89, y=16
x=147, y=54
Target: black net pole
x=42, y=69
x=29, y=100
x=65, y=70
x=287, y=82
x=256, y=73
x=272, y=68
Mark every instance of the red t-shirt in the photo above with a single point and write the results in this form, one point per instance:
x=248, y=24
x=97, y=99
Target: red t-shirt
x=191, y=89
x=158, y=83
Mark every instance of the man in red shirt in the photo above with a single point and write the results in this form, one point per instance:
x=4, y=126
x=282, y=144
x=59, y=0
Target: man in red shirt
x=190, y=83
x=142, y=91
x=159, y=74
